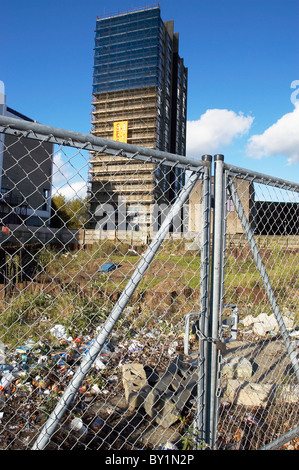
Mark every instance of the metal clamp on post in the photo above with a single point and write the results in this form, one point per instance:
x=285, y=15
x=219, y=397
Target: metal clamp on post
x=219, y=344
x=187, y=330
x=231, y=322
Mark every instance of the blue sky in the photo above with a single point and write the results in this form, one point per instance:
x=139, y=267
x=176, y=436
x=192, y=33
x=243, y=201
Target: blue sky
x=242, y=58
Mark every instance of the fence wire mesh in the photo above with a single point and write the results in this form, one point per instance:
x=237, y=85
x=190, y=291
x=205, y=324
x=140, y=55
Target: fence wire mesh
x=56, y=296
x=259, y=373
x=97, y=285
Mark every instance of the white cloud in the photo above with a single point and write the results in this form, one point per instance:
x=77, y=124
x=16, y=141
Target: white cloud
x=71, y=190
x=61, y=171
x=64, y=179
x=282, y=138
x=215, y=129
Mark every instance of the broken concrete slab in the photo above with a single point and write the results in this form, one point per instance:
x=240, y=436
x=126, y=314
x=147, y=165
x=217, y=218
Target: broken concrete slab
x=288, y=394
x=264, y=323
x=239, y=368
x=134, y=379
x=248, y=394
x=252, y=394
x=166, y=400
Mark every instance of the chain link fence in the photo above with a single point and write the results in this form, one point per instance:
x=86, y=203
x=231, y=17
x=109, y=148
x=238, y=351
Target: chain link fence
x=147, y=301
x=260, y=372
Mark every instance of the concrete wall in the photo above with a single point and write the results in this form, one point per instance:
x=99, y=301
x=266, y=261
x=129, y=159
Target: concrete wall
x=15, y=235
x=245, y=191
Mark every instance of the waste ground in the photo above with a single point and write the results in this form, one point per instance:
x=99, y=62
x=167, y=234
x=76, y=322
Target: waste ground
x=107, y=422
x=99, y=417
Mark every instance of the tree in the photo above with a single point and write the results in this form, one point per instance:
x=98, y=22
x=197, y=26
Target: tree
x=71, y=213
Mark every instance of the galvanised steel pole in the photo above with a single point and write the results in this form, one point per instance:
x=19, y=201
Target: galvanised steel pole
x=282, y=440
x=70, y=392
x=215, y=300
x=200, y=419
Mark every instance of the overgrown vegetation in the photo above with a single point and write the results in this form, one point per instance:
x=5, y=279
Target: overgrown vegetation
x=67, y=288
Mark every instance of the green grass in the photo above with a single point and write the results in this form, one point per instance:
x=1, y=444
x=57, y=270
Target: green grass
x=81, y=305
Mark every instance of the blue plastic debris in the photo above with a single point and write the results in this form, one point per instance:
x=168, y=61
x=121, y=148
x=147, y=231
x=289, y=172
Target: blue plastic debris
x=107, y=267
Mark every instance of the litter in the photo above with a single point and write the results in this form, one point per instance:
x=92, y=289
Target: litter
x=2, y=353
x=168, y=446
x=6, y=381
x=135, y=346
x=77, y=425
x=59, y=332
x=97, y=424
x=172, y=348
x=107, y=267
x=99, y=364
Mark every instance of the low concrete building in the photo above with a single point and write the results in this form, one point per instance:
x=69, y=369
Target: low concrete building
x=25, y=175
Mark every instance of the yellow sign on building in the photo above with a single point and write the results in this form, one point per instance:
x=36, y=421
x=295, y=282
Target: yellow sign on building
x=120, y=131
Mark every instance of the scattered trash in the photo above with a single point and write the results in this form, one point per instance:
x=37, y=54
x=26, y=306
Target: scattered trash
x=97, y=424
x=59, y=332
x=135, y=346
x=41, y=371
x=95, y=389
x=77, y=425
x=99, y=364
x=252, y=420
x=2, y=353
x=173, y=348
x=5, y=230
x=108, y=267
x=6, y=381
x=167, y=446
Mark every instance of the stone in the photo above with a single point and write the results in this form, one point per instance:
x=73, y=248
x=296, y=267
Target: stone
x=228, y=369
x=289, y=322
x=248, y=320
x=248, y=394
x=134, y=380
x=263, y=323
x=237, y=368
x=288, y=394
x=243, y=369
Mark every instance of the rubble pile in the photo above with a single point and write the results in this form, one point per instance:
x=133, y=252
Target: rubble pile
x=33, y=377
x=142, y=377
x=264, y=324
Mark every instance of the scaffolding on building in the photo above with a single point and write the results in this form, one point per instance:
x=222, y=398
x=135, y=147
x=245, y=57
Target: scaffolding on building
x=132, y=83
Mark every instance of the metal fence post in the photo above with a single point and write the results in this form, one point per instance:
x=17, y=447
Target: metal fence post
x=200, y=419
x=216, y=288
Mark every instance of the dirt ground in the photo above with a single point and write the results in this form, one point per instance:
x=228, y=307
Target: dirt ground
x=110, y=424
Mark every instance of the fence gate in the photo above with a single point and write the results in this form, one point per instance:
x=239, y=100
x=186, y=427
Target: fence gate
x=156, y=310
x=259, y=294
